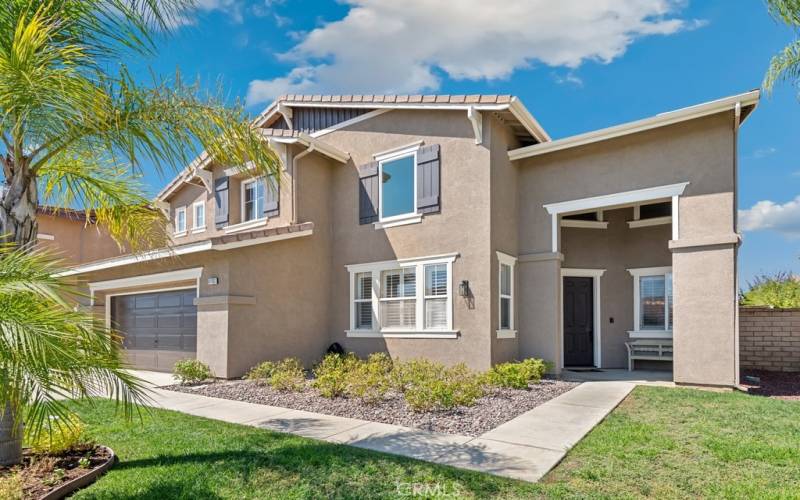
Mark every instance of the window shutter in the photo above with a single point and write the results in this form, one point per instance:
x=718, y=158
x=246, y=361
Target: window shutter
x=272, y=194
x=368, y=193
x=428, y=168
x=222, y=200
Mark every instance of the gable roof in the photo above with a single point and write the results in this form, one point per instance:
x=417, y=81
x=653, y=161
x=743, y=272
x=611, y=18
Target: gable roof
x=509, y=108
x=745, y=102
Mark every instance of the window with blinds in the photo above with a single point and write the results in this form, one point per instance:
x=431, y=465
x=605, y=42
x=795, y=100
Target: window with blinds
x=402, y=298
x=436, y=296
x=505, y=297
x=398, y=300
x=363, y=301
x=655, y=302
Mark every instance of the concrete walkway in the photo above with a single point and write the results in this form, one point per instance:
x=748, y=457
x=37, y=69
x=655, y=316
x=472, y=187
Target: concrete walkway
x=525, y=448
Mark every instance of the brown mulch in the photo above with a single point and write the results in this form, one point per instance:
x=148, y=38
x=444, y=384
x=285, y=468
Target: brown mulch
x=43, y=473
x=778, y=385
x=494, y=408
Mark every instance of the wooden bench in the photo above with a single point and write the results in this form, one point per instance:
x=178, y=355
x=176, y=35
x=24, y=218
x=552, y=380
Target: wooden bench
x=649, y=349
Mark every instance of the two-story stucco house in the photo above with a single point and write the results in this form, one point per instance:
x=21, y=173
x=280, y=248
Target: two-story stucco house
x=452, y=228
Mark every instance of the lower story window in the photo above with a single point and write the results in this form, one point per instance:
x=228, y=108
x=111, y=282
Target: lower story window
x=385, y=296
x=653, y=302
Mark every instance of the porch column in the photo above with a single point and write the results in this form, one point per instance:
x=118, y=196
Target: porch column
x=705, y=332
x=540, y=312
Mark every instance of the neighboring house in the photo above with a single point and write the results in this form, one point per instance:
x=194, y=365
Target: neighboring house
x=72, y=238
x=452, y=228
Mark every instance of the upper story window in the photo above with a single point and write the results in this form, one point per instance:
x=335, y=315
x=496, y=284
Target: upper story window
x=398, y=187
x=402, y=298
x=653, y=304
x=199, y=215
x=253, y=199
x=180, y=220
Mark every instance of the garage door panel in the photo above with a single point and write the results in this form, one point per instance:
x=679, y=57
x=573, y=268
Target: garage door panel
x=156, y=325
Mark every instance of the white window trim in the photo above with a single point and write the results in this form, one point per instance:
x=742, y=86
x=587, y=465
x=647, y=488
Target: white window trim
x=636, y=333
x=195, y=227
x=182, y=232
x=597, y=341
x=511, y=261
x=242, y=199
x=376, y=268
x=408, y=218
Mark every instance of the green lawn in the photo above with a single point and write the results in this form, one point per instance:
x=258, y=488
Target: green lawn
x=660, y=442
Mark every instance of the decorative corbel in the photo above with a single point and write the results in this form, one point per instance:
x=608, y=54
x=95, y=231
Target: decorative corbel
x=477, y=123
x=286, y=112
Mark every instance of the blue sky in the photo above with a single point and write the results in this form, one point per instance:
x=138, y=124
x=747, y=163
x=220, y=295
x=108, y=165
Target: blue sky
x=577, y=67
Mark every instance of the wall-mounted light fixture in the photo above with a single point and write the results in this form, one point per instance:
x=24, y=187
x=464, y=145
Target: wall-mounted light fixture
x=463, y=288
x=213, y=280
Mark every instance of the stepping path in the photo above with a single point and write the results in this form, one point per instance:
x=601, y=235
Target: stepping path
x=525, y=448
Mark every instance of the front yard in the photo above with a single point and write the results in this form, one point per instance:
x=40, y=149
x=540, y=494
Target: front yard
x=659, y=442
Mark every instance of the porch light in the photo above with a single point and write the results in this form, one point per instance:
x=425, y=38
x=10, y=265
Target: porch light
x=463, y=288
x=213, y=280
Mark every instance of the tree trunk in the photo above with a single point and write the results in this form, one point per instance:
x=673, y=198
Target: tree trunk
x=19, y=199
x=10, y=436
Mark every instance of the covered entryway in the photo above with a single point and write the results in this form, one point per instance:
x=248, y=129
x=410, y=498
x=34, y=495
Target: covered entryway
x=158, y=328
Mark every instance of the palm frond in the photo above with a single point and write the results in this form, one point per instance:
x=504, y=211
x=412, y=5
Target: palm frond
x=786, y=11
x=784, y=66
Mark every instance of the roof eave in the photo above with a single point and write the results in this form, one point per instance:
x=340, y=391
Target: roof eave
x=747, y=100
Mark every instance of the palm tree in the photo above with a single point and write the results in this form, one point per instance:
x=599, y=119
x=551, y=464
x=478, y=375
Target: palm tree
x=75, y=129
x=50, y=352
x=785, y=66
x=76, y=126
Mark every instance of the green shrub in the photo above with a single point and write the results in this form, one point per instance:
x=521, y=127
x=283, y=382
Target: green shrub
x=333, y=373
x=370, y=380
x=63, y=436
x=191, y=371
x=780, y=290
x=430, y=386
x=261, y=372
x=517, y=375
x=11, y=487
x=288, y=375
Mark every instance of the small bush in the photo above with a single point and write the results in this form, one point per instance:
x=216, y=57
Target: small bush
x=517, y=375
x=430, y=386
x=288, y=375
x=780, y=290
x=191, y=371
x=262, y=372
x=62, y=436
x=333, y=373
x=11, y=487
x=370, y=380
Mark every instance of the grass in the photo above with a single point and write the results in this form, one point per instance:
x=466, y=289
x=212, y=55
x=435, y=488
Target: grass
x=665, y=443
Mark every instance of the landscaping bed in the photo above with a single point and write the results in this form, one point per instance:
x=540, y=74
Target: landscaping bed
x=778, y=385
x=497, y=406
x=43, y=476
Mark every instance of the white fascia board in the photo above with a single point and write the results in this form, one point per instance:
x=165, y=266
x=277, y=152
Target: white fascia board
x=660, y=120
x=201, y=162
x=262, y=240
x=137, y=258
x=324, y=148
x=526, y=119
x=147, y=279
x=617, y=199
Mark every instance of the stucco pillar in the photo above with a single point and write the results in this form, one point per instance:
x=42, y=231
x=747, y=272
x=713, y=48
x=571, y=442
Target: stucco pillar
x=540, y=307
x=212, y=336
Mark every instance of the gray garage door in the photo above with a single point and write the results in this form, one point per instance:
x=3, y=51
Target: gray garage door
x=159, y=327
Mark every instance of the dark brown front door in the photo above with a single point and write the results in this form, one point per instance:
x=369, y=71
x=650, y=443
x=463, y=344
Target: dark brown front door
x=578, y=321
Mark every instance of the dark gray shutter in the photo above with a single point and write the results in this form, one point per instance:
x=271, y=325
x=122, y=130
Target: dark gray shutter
x=368, y=193
x=428, y=171
x=272, y=194
x=222, y=199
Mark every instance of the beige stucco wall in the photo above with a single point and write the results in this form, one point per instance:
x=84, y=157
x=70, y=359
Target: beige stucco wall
x=616, y=249
x=462, y=227
x=701, y=152
x=74, y=241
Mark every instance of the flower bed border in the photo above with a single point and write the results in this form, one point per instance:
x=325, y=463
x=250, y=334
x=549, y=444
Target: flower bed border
x=83, y=481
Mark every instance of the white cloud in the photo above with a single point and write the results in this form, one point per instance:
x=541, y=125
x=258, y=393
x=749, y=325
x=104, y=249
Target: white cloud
x=783, y=218
x=568, y=79
x=395, y=47
x=763, y=152
x=233, y=8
